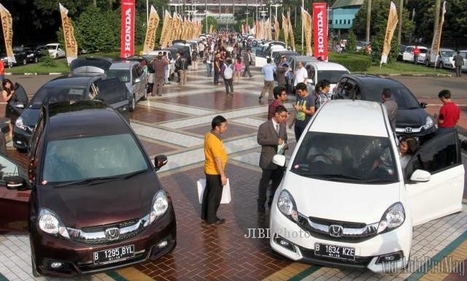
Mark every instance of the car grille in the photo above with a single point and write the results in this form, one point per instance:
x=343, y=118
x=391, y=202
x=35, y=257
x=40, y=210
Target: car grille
x=105, y=234
x=343, y=231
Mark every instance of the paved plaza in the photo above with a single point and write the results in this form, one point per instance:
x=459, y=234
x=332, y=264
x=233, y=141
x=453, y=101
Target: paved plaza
x=174, y=125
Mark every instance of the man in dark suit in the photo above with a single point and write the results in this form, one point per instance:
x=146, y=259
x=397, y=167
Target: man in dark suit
x=272, y=136
x=247, y=59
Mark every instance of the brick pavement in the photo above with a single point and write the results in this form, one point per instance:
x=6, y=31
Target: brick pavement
x=174, y=124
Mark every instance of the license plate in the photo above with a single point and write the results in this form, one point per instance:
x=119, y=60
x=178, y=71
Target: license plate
x=114, y=254
x=332, y=251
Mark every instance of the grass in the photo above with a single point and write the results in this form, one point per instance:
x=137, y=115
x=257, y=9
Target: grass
x=401, y=68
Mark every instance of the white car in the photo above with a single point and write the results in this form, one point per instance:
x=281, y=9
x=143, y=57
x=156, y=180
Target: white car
x=319, y=70
x=55, y=50
x=407, y=55
x=346, y=200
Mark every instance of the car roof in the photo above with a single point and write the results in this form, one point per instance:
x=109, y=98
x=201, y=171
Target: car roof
x=123, y=64
x=83, y=118
x=322, y=65
x=90, y=66
x=70, y=81
x=356, y=117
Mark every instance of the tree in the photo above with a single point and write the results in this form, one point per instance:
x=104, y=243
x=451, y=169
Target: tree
x=210, y=21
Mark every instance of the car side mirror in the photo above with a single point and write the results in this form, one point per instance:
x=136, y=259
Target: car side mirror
x=423, y=104
x=420, y=176
x=160, y=161
x=16, y=183
x=279, y=160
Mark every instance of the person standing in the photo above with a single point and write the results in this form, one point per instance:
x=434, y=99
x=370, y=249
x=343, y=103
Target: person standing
x=238, y=69
x=322, y=92
x=217, y=68
x=449, y=113
x=391, y=107
x=280, y=74
x=268, y=76
x=214, y=169
x=181, y=64
x=280, y=96
x=416, y=53
x=304, y=109
x=2, y=71
x=247, y=60
x=209, y=61
x=159, y=65
x=8, y=90
x=227, y=74
x=272, y=134
x=458, y=63
x=300, y=75
x=194, y=60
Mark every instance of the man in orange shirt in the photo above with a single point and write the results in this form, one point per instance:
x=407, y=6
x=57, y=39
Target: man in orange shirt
x=416, y=53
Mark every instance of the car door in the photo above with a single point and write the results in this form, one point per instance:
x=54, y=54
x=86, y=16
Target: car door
x=441, y=195
x=13, y=203
x=408, y=54
x=114, y=93
x=17, y=103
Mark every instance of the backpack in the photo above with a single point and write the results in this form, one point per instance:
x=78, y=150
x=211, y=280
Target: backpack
x=228, y=71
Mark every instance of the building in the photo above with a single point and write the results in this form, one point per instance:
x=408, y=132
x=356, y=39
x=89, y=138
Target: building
x=342, y=14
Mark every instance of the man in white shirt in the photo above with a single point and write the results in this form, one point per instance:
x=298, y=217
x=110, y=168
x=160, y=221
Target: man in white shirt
x=300, y=75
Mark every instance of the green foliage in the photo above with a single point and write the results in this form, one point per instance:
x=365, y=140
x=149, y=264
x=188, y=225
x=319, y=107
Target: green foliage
x=211, y=21
x=354, y=63
x=351, y=42
x=48, y=61
x=377, y=49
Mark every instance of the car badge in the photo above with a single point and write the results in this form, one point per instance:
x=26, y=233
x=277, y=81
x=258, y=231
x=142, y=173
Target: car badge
x=408, y=129
x=336, y=231
x=112, y=233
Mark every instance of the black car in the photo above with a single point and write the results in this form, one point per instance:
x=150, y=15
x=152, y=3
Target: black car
x=96, y=202
x=278, y=55
x=411, y=119
x=88, y=81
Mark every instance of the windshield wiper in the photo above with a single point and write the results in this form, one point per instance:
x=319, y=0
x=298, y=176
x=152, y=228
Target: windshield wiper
x=89, y=181
x=130, y=175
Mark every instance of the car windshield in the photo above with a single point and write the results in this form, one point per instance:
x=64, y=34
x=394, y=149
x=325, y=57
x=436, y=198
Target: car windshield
x=122, y=74
x=92, y=157
x=447, y=53
x=401, y=95
x=345, y=158
x=48, y=95
x=51, y=47
x=332, y=76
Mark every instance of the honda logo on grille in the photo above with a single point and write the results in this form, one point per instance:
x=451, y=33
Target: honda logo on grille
x=408, y=129
x=336, y=230
x=112, y=233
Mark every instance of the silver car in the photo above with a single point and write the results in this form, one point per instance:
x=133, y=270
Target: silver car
x=134, y=77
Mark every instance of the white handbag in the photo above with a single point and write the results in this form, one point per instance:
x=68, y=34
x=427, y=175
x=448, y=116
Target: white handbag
x=226, y=197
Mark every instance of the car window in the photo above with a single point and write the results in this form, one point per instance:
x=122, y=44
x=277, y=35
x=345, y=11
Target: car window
x=438, y=154
x=91, y=157
x=7, y=169
x=134, y=74
x=331, y=75
x=345, y=158
x=401, y=95
x=122, y=74
x=48, y=95
x=111, y=91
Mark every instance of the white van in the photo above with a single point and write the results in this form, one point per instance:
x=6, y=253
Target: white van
x=55, y=50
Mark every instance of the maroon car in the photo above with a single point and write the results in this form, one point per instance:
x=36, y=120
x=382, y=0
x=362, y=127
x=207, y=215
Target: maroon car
x=96, y=201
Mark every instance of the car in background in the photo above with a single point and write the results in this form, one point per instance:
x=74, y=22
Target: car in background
x=87, y=82
x=464, y=54
x=400, y=54
x=86, y=154
x=55, y=50
x=408, y=56
x=445, y=58
x=169, y=55
x=287, y=53
x=346, y=200
x=293, y=62
x=361, y=46
x=135, y=78
x=184, y=47
x=319, y=70
x=411, y=119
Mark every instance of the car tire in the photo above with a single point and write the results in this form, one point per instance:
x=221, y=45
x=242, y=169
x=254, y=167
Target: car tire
x=440, y=65
x=133, y=104
x=427, y=63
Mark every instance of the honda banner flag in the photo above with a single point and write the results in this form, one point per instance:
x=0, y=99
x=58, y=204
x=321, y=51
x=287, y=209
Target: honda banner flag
x=127, y=32
x=320, y=31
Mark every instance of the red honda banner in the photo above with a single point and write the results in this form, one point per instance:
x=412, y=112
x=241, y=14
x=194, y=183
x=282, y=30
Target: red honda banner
x=127, y=31
x=320, y=31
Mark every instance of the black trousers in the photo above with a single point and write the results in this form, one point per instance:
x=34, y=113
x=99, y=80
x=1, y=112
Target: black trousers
x=269, y=175
x=211, y=198
x=228, y=86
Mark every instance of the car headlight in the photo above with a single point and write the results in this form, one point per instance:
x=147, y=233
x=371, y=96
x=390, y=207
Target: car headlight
x=287, y=206
x=428, y=123
x=50, y=223
x=19, y=123
x=160, y=204
x=30, y=55
x=392, y=218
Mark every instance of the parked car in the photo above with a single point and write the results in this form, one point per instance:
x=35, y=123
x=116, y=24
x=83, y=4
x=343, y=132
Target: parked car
x=293, y=63
x=131, y=73
x=40, y=52
x=411, y=118
x=169, y=55
x=87, y=81
x=408, y=56
x=401, y=52
x=287, y=53
x=96, y=202
x=21, y=55
x=55, y=50
x=464, y=54
x=346, y=200
x=319, y=70
x=445, y=58
x=184, y=47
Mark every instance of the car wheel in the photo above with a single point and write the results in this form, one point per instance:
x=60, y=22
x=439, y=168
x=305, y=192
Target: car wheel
x=35, y=273
x=133, y=104
x=427, y=63
x=440, y=65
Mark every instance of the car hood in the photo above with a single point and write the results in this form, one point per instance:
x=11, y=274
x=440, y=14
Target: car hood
x=90, y=66
x=341, y=201
x=414, y=118
x=81, y=206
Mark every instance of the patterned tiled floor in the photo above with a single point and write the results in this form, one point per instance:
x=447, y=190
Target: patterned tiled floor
x=174, y=124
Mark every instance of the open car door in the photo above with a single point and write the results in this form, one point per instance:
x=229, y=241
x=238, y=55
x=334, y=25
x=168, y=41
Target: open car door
x=441, y=194
x=17, y=103
x=114, y=93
